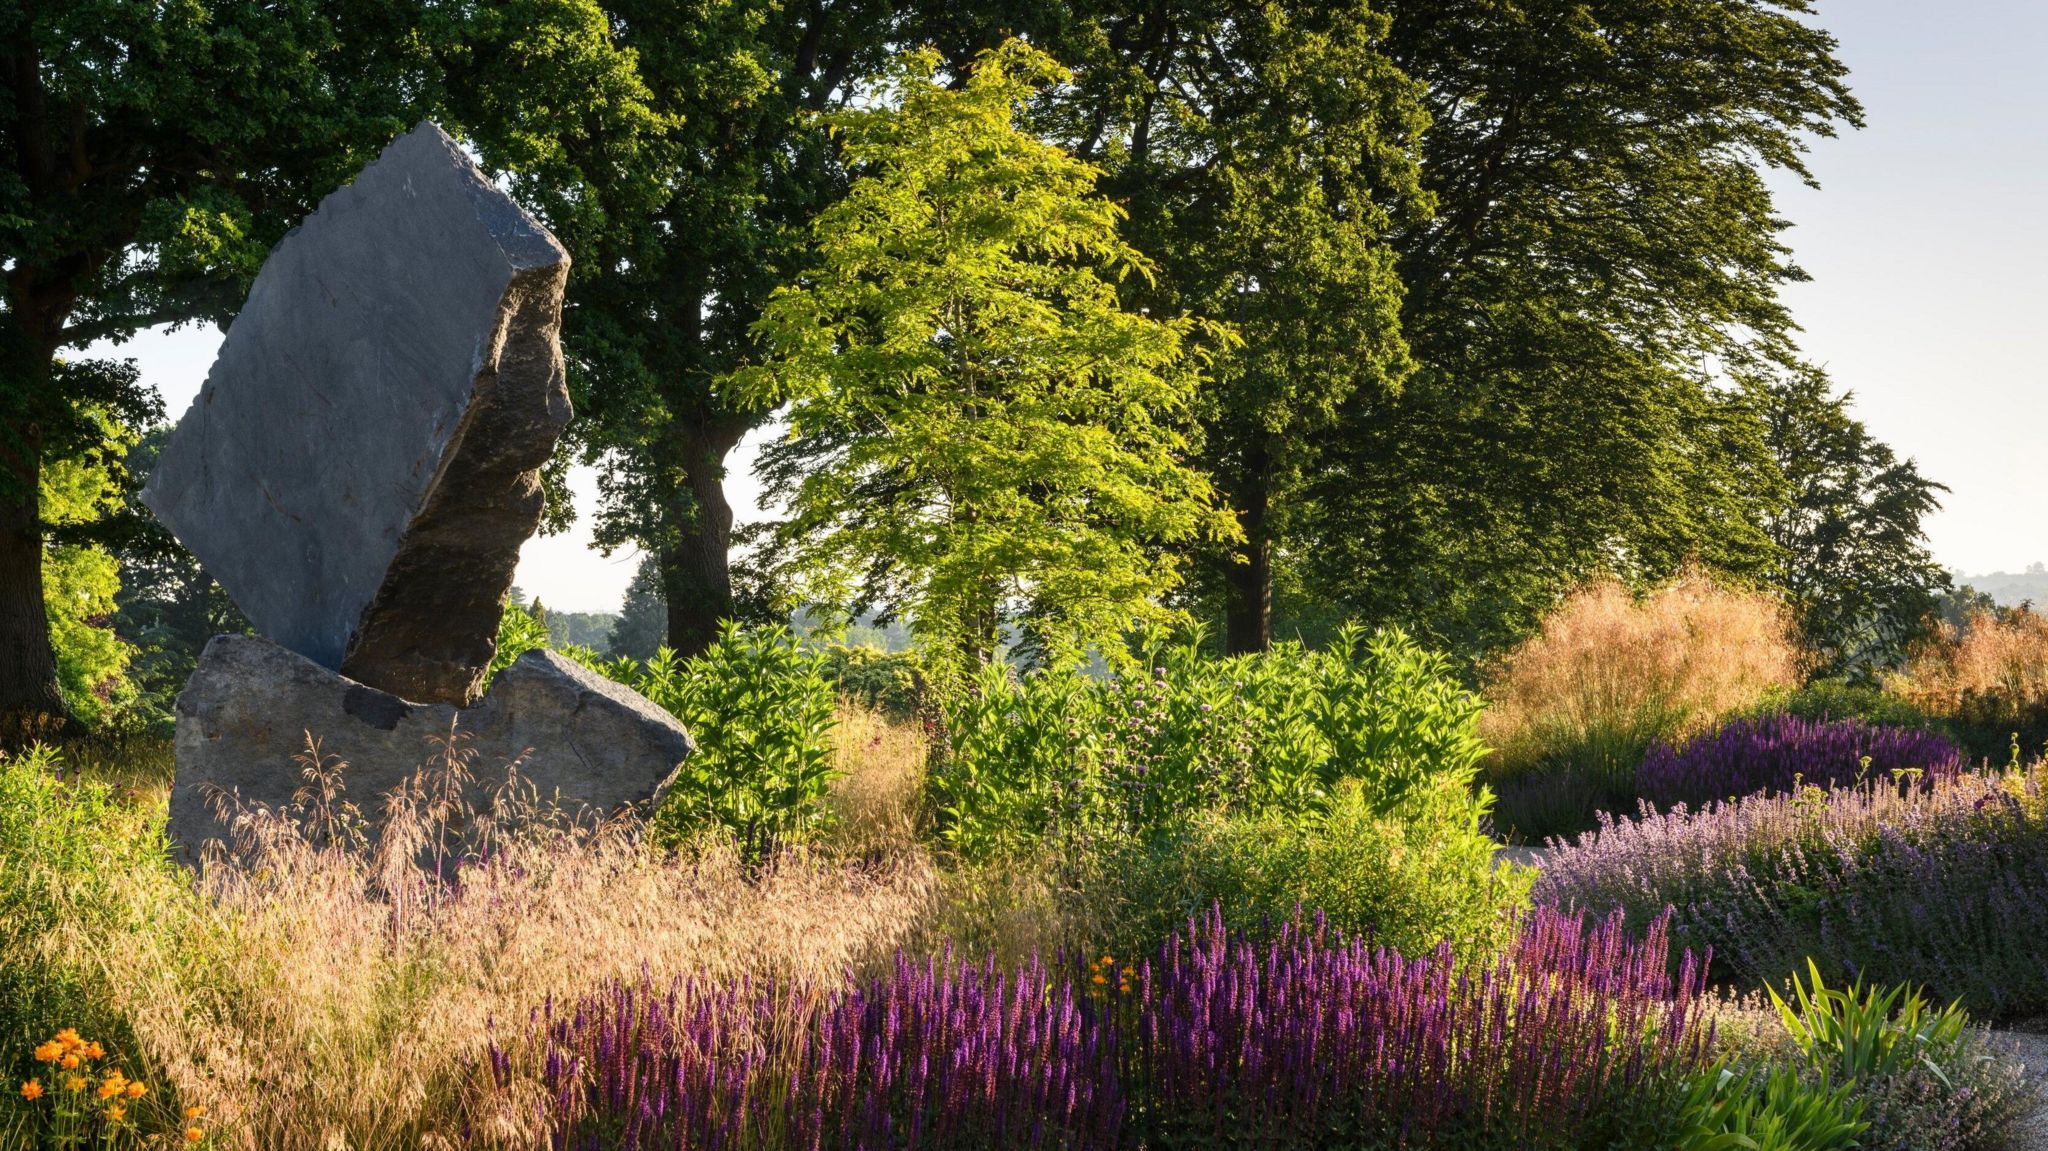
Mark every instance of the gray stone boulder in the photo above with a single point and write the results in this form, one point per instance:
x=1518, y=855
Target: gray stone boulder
x=580, y=739
x=362, y=464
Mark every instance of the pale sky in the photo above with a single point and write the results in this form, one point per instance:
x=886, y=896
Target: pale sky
x=1925, y=242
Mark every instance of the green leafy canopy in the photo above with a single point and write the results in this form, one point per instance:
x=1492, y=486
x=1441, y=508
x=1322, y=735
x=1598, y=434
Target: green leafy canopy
x=980, y=433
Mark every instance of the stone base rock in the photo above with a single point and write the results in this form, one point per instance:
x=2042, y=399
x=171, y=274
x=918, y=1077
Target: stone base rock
x=582, y=740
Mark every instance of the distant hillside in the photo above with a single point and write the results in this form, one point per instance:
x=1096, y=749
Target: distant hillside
x=2011, y=589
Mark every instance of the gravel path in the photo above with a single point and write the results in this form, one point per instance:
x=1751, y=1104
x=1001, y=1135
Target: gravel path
x=2033, y=1048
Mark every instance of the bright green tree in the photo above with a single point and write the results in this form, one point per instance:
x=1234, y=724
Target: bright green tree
x=980, y=434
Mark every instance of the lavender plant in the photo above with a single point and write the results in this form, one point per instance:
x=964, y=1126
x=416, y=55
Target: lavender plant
x=1779, y=753
x=1919, y=885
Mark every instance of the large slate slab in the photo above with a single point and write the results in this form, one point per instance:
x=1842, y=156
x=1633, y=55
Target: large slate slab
x=361, y=466
x=579, y=738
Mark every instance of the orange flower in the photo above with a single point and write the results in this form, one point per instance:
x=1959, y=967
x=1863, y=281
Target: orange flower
x=1100, y=978
x=32, y=1090
x=49, y=1052
x=68, y=1063
x=93, y=1050
x=194, y=1112
x=69, y=1038
x=194, y=1134
x=75, y=1083
x=112, y=1087
x=116, y=1113
x=135, y=1090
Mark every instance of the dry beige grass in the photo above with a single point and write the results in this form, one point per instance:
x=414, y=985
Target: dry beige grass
x=2002, y=655
x=1610, y=671
x=317, y=997
x=877, y=797
x=313, y=995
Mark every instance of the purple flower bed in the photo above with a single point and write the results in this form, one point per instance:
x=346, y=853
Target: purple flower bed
x=1930, y=886
x=937, y=1056
x=1306, y=1041
x=1781, y=752
x=1311, y=1043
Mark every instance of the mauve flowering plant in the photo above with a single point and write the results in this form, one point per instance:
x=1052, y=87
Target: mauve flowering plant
x=1780, y=753
x=1319, y=1043
x=1930, y=886
x=1571, y=1038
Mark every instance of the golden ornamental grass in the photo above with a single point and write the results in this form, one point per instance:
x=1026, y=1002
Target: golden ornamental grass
x=1610, y=671
x=2001, y=655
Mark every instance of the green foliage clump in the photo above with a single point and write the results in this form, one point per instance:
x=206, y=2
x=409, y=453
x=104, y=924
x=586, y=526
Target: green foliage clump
x=1055, y=754
x=519, y=632
x=1341, y=779
x=1768, y=1109
x=1406, y=878
x=81, y=578
x=1839, y=699
x=761, y=710
x=891, y=682
x=71, y=854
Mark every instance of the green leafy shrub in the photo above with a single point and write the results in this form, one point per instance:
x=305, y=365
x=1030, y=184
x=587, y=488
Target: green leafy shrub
x=518, y=633
x=1928, y=1080
x=1866, y=1033
x=1057, y=755
x=761, y=710
x=1836, y=699
x=891, y=682
x=1407, y=878
x=760, y=707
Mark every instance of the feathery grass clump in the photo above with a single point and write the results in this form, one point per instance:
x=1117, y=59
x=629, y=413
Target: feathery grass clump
x=1572, y=710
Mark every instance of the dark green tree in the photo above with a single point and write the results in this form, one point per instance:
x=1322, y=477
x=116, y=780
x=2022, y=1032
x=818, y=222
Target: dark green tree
x=1594, y=308
x=1852, y=556
x=642, y=626
x=152, y=153
x=680, y=227
x=1265, y=150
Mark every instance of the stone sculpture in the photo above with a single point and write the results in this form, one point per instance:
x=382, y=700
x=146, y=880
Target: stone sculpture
x=362, y=464
x=359, y=472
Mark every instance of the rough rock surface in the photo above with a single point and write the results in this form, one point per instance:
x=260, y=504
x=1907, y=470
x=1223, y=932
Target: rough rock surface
x=362, y=464
x=586, y=741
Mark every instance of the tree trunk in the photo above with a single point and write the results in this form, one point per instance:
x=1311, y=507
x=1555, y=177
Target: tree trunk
x=31, y=704
x=1248, y=574
x=696, y=570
